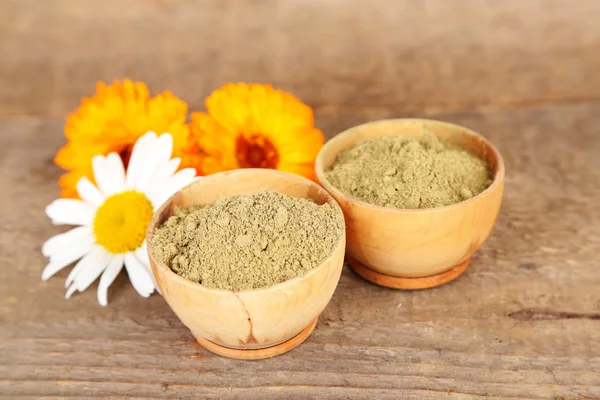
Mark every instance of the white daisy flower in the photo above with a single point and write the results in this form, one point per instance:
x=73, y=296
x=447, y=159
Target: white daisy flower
x=113, y=218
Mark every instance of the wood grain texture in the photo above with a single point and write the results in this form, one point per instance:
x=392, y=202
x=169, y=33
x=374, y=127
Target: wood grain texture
x=522, y=322
x=337, y=55
x=395, y=282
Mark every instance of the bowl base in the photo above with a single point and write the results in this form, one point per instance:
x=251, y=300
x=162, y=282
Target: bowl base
x=258, y=354
x=396, y=282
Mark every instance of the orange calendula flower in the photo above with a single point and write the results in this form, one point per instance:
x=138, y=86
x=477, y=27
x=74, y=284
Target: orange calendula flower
x=113, y=120
x=256, y=126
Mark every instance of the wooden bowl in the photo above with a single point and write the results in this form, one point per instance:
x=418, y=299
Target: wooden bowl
x=248, y=324
x=415, y=249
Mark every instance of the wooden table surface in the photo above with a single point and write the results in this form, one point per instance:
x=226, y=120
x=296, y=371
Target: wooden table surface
x=522, y=322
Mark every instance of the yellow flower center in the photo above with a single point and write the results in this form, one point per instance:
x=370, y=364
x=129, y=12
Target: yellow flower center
x=256, y=151
x=121, y=222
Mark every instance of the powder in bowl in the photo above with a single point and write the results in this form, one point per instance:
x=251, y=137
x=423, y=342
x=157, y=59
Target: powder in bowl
x=408, y=173
x=248, y=242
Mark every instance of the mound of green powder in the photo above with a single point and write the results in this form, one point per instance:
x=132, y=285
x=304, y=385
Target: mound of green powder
x=409, y=173
x=248, y=242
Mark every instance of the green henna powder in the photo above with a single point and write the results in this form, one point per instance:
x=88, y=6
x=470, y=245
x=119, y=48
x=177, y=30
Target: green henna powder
x=248, y=242
x=408, y=173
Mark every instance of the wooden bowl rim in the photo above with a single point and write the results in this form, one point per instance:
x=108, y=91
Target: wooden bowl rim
x=215, y=177
x=498, y=179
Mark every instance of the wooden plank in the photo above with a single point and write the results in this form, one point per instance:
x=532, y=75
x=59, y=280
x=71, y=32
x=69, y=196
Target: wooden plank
x=522, y=322
x=340, y=55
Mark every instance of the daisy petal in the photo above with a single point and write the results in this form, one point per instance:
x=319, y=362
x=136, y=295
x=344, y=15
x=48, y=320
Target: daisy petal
x=53, y=267
x=117, y=172
x=165, y=173
x=66, y=257
x=181, y=179
x=74, y=250
x=108, y=277
x=70, y=212
x=165, y=146
x=109, y=173
x=157, y=157
x=142, y=255
x=138, y=155
x=65, y=240
x=70, y=291
x=89, y=193
x=96, y=266
x=100, y=175
x=157, y=197
x=138, y=275
x=84, y=263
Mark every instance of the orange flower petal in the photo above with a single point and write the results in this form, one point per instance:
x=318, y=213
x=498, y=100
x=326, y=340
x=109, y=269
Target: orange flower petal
x=303, y=149
x=114, y=118
x=229, y=107
x=259, y=114
x=69, y=181
x=78, y=156
x=305, y=170
x=212, y=137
